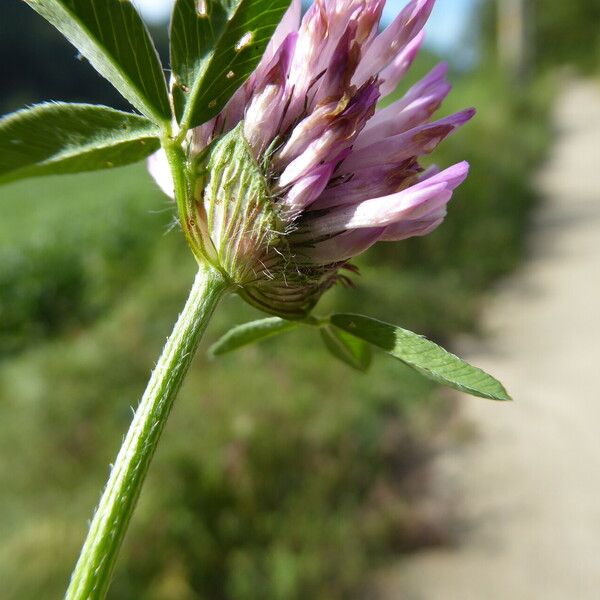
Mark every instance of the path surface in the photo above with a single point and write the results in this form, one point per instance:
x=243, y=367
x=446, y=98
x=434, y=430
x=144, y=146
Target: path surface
x=529, y=487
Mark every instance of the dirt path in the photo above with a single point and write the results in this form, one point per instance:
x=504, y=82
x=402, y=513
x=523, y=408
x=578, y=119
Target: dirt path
x=530, y=486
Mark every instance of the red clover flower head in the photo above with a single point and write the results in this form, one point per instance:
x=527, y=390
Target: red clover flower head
x=299, y=173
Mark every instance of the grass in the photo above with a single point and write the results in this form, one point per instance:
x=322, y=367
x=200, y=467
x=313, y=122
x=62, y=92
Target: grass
x=68, y=248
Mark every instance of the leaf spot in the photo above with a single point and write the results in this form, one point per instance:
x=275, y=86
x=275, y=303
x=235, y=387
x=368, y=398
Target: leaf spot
x=212, y=104
x=202, y=8
x=244, y=41
x=230, y=75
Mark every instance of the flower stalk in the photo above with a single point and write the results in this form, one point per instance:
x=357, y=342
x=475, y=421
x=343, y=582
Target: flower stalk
x=92, y=574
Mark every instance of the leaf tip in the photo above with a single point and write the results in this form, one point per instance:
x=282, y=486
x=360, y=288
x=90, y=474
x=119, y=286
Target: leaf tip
x=214, y=350
x=505, y=396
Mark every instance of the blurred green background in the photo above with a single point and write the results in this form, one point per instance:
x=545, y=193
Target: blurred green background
x=282, y=475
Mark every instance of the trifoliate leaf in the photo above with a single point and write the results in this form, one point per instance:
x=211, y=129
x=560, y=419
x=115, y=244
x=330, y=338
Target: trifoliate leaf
x=249, y=333
x=113, y=37
x=347, y=348
x=59, y=138
x=427, y=358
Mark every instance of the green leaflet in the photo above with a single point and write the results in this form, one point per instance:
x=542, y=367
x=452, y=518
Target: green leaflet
x=427, y=358
x=215, y=46
x=347, y=348
x=69, y=138
x=113, y=37
x=249, y=333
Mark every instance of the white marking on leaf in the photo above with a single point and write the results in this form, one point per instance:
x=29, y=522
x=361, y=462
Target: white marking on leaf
x=202, y=8
x=244, y=41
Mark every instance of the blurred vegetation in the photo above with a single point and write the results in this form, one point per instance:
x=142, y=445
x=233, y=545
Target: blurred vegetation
x=64, y=258
x=282, y=475
x=567, y=32
x=560, y=33
x=40, y=65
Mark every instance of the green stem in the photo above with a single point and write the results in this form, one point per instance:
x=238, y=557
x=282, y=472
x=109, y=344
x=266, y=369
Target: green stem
x=92, y=574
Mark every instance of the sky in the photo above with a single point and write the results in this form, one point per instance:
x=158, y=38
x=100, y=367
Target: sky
x=445, y=29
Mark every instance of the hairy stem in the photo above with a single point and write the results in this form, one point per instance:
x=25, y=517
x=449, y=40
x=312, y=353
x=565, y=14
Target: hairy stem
x=92, y=574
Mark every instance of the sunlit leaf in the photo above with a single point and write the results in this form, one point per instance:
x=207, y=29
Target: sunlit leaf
x=113, y=37
x=69, y=138
x=249, y=333
x=347, y=348
x=427, y=358
x=215, y=46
